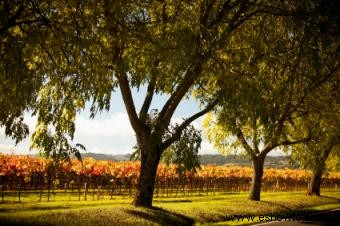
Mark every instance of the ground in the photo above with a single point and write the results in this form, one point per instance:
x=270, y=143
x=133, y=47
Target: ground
x=199, y=210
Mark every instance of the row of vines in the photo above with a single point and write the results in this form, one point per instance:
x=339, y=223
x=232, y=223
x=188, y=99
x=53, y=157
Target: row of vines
x=93, y=179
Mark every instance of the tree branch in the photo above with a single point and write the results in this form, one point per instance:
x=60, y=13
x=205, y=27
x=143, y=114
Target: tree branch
x=288, y=105
x=267, y=148
x=148, y=99
x=314, y=86
x=128, y=102
x=288, y=142
x=244, y=6
x=12, y=20
x=324, y=79
x=255, y=135
x=244, y=143
x=205, y=13
x=186, y=122
x=279, y=128
x=270, y=146
x=172, y=103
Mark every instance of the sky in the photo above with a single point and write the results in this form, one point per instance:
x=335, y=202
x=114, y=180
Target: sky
x=110, y=132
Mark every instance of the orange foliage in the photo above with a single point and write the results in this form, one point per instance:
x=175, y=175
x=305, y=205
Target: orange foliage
x=20, y=165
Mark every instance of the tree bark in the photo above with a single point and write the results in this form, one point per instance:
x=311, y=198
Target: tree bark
x=314, y=185
x=146, y=181
x=255, y=189
x=320, y=164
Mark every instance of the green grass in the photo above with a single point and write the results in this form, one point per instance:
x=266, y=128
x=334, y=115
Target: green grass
x=199, y=210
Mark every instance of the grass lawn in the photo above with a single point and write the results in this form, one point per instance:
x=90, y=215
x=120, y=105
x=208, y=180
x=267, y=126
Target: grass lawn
x=203, y=210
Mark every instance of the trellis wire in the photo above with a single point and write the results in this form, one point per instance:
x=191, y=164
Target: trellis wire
x=107, y=186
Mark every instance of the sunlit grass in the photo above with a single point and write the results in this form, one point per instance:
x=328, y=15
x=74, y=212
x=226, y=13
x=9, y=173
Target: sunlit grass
x=167, y=211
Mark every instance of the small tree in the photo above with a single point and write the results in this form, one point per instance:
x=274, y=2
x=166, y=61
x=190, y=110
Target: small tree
x=324, y=127
x=280, y=69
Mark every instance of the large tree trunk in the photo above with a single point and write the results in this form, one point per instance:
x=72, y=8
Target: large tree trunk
x=146, y=182
x=314, y=185
x=320, y=164
x=255, y=189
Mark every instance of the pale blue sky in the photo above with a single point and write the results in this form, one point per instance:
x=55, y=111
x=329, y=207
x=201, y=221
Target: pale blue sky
x=110, y=132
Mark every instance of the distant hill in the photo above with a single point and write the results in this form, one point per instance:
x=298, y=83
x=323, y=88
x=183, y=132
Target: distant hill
x=219, y=160
x=230, y=160
x=115, y=158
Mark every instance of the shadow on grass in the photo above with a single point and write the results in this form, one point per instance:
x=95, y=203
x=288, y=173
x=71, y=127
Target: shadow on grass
x=279, y=205
x=11, y=222
x=328, y=197
x=8, y=210
x=161, y=216
x=170, y=201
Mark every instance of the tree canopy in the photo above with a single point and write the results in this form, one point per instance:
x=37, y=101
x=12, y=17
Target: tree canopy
x=20, y=25
x=322, y=123
x=89, y=49
x=277, y=73
x=239, y=54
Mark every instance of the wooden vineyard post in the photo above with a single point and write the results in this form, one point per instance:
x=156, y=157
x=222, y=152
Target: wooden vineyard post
x=161, y=186
x=66, y=186
x=98, y=192
x=67, y=193
x=167, y=187
x=40, y=186
x=53, y=188
x=94, y=190
x=212, y=186
x=130, y=188
x=191, y=186
x=112, y=187
x=177, y=187
x=208, y=186
x=199, y=186
x=85, y=190
x=19, y=191
x=48, y=187
x=120, y=186
x=157, y=186
x=2, y=193
x=183, y=186
x=79, y=191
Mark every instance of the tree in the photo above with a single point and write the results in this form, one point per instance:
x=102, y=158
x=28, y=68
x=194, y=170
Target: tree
x=169, y=46
x=324, y=127
x=38, y=42
x=272, y=80
x=314, y=155
x=323, y=106
x=20, y=26
x=92, y=48
x=182, y=152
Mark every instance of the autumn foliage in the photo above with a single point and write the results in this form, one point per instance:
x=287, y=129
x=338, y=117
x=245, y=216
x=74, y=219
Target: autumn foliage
x=21, y=165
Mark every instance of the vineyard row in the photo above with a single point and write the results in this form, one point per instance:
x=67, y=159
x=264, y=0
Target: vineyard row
x=103, y=187
x=37, y=176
